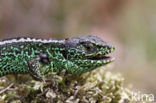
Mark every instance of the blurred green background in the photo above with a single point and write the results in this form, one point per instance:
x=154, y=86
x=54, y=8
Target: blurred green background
x=130, y=25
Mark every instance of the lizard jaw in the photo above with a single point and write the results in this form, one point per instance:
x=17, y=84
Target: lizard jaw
x=103, y=57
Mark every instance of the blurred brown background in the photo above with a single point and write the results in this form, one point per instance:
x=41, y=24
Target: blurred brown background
x=130, y=25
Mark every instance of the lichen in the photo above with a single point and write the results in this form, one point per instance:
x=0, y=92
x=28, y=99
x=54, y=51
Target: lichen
x=98, y=86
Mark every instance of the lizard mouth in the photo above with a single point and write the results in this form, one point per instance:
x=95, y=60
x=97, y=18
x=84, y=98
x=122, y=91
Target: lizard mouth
x=103, y=57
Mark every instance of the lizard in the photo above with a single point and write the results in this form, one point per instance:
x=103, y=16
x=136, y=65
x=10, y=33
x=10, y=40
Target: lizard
x=37, y=57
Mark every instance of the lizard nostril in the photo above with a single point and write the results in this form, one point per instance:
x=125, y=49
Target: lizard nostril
x=109, y=47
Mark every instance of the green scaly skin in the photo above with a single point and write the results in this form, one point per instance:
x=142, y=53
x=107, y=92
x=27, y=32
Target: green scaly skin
x=37, y=57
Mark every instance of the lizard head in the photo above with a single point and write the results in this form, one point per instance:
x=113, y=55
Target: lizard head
x=88, y=52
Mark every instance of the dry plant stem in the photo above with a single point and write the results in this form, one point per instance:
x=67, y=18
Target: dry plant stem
x=2, y=91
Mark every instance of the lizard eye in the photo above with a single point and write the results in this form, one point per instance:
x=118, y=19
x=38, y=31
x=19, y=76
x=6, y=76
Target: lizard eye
x=88, y=47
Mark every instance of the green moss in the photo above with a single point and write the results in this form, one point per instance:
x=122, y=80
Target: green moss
x=98, y=86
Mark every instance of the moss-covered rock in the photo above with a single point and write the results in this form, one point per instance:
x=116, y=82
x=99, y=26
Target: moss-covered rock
x=98, y=86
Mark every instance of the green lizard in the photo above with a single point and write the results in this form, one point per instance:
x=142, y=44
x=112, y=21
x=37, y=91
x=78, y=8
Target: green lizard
x=39, y=56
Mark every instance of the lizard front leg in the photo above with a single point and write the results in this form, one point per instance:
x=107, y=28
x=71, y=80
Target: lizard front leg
x=34, y=69
x=38, y=67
